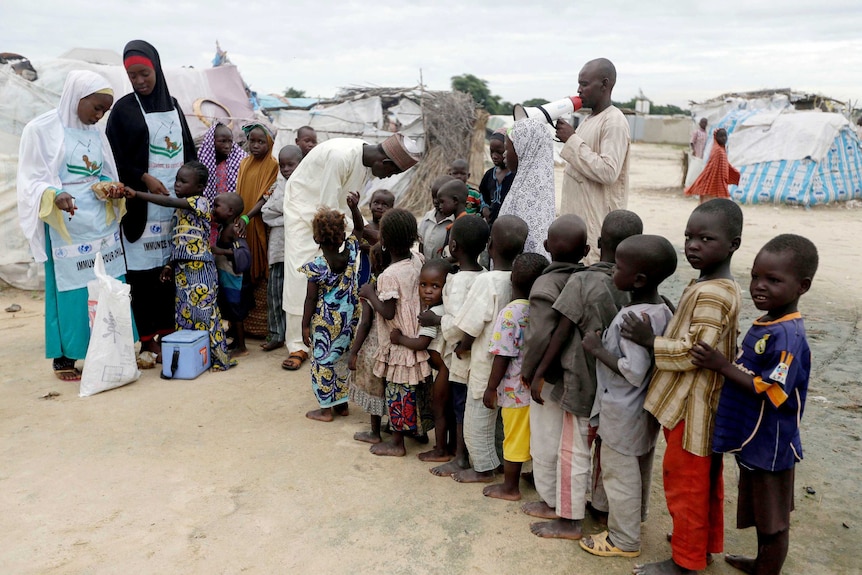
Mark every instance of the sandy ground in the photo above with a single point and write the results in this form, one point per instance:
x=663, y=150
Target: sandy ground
x=223, y=474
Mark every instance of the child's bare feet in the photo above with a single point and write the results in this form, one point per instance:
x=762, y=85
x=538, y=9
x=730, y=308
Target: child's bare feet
x=500, y=491
x=667, y=567
x=744, y=564
x=322, y=414
x=367, y=437
x=389, y=449
x=448, y=469
x=473, y=476
x=539, y=509
x=435, y=456
x=558, y=529
x=239, y=352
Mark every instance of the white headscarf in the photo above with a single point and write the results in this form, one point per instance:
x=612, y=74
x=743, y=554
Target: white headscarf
x=42, y=150
x=532, y=195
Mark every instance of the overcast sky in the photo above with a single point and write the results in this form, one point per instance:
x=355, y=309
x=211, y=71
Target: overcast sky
x=675, y=51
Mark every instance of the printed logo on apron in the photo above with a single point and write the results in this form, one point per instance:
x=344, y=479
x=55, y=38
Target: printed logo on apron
x=153, y=249
x=73, y=263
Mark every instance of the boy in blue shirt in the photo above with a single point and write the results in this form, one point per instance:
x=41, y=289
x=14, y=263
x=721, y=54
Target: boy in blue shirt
x=763, y=398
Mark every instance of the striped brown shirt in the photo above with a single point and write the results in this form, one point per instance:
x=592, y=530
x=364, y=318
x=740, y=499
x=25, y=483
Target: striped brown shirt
x=708, y=311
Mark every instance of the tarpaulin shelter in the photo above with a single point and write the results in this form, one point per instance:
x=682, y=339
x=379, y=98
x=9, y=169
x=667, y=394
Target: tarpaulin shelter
x=787, y=148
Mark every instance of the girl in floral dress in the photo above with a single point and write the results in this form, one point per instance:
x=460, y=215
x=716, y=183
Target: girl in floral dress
x=332, y=307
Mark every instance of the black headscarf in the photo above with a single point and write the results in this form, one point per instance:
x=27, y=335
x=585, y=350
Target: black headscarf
x=129, y=137
x=159, y=99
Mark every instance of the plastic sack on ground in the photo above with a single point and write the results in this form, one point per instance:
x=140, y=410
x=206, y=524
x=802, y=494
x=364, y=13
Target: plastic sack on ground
x=110, y=360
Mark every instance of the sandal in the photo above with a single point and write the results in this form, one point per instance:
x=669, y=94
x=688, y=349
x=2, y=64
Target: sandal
x=294, y=361
x=604, y=548
x=64, y=369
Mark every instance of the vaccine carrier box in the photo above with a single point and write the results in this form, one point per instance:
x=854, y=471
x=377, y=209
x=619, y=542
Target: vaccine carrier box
x=185, y=354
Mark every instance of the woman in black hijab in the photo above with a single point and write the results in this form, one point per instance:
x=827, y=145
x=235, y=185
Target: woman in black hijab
x=151, y=141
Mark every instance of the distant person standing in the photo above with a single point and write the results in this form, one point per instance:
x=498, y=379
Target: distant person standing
x=698, y=139
x=596, y=180
x=718, y=174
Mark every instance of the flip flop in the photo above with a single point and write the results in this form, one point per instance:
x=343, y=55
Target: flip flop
x=604, y=548
x=294, y=361
x=68, y=374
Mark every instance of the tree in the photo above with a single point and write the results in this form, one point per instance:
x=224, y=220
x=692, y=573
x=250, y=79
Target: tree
x=478, y=89
x=292, y=92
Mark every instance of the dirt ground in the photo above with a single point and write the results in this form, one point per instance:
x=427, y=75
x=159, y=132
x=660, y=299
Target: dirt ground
x=223, y=474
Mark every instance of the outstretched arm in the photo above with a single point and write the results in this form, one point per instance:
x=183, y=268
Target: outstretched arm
x=419, y=343
x=592, y=343
x=386, y=309
x=358, y=221
x=159, y=199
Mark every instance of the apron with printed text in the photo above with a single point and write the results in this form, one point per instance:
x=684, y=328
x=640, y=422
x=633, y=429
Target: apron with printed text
x=73, y=263
x=153, y=248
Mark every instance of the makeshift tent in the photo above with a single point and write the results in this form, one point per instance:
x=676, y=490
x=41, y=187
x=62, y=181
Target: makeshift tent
x=203, y=94
x=787, y=150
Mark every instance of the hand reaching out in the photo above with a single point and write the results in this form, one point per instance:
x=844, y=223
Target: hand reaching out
x=638, y=329
x=352, y=199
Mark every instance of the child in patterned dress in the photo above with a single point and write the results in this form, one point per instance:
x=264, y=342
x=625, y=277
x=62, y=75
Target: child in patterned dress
x=192, y=265
x=332, y=307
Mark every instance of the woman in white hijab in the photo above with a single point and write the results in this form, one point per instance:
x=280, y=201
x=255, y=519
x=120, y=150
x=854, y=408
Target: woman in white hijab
x=67, y=222
x=530, y=154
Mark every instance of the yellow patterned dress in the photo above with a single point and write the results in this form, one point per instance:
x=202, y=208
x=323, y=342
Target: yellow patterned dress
x=196, y=278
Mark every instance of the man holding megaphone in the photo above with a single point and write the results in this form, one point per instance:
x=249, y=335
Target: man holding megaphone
x=596, y=180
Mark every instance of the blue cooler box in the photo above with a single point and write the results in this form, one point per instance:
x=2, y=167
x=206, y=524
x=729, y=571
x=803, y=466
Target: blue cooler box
x=185, y=354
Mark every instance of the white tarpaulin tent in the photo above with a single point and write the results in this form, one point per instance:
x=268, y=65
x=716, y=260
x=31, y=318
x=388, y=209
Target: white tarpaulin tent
x=203, y=94
x=785, y=155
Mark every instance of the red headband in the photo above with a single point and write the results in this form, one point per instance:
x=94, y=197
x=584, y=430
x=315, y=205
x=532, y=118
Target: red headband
x=132, y=60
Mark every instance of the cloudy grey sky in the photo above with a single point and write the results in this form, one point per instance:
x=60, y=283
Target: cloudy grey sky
x=675, y=51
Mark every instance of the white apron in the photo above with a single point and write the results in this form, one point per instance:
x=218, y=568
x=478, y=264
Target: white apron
x=153, y=248
x=73, y=263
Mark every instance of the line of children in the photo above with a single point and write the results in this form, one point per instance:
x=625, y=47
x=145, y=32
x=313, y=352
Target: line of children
x=596, y=331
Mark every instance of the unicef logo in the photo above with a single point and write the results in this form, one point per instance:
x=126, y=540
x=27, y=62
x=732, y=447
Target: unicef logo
x=85, y=248
x=60, y=253
x=156, y=228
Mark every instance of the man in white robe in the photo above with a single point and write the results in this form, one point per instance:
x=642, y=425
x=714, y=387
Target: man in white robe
x=323, y=179
x=596, y=179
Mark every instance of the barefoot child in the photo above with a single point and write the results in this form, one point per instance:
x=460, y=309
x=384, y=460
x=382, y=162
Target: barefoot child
x=468, y=239
x=272, y=214
x=381, y=202
x=460, y=170
x=684, y=397
x=567, y=245
x=367, y=390
x=763, y=398
x=396, y=301
x=432, y=281
x=192, y=263
x=505, y=388
x=628, y=433
x=331, y=309
x=588, y=302
x=434, y=225
x=490, y=292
